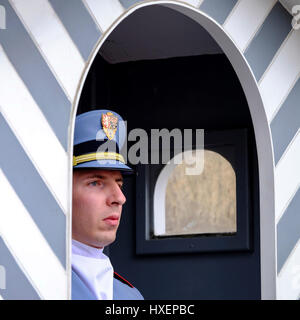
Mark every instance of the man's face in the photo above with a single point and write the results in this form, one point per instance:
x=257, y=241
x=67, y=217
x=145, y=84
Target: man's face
x=97, y=206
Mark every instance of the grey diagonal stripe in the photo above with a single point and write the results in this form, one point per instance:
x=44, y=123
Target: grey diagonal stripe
x=218, y=9
x=288, y=230
x=17, y=286
x=79, y=24
x=36, y=74
x=127, y=3
x=32, y=191
x=268, y=39
x=286, y=123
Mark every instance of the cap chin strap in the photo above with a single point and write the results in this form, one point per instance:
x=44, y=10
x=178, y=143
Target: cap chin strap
x=97, y=156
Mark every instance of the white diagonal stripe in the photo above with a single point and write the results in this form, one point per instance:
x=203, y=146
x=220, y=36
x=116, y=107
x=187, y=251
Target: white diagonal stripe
x=288, y=281
x=28, y=246
x=245, y=20
x=1, y=297
x=195, y=3
x=287, y=176
x=105, y=12
x=281, y=75
x=33, y=131
x=53, y=41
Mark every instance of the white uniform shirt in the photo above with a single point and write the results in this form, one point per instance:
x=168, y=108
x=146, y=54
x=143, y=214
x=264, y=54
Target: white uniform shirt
x=94, y=268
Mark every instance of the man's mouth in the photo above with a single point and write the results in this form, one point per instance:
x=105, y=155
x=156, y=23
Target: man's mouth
x=112, y=220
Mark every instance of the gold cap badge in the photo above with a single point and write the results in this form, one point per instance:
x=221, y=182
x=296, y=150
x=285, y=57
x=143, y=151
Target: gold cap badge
x=110, y=124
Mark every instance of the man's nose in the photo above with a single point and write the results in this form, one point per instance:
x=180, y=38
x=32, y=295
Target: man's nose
x=116, y=195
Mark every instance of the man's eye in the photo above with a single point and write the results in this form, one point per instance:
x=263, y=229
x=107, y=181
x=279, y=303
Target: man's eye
x=94, y=183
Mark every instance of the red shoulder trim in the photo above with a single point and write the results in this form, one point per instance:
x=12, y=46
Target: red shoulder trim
x=117, y=276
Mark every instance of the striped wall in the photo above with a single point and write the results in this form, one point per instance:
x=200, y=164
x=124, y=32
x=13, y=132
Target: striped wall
x=45, y=51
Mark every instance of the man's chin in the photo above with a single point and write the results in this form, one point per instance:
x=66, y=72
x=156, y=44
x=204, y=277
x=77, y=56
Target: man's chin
x=103, y=242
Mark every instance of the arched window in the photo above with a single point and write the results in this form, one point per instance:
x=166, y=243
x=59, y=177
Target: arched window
x=196, y=204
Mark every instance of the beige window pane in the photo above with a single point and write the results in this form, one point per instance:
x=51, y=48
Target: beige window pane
x=200, y=204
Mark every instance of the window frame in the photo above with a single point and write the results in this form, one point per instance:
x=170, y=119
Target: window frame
x=240, y=241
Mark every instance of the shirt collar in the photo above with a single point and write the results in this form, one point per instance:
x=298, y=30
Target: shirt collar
x=82, y=249
x=94, y=268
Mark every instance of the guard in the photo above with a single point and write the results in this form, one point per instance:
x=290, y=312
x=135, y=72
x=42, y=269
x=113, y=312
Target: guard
x=98, y=169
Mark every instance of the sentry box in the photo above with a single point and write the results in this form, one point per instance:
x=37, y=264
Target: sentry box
x=230, y=69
